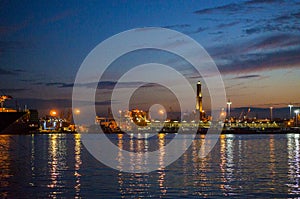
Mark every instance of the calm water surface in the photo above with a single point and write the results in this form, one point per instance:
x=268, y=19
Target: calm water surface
x=55, y=166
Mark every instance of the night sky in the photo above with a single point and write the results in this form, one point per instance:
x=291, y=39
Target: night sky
x=255, y=44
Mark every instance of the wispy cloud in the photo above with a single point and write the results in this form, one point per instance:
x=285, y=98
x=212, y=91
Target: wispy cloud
x=13, y=45
x=232, y=8
x=27, y=80
x=235, y=8
x=19, y=70
x=280, y=41
x=226, y=25
x=13, y=90
x=11, y=72
x=200, y=29
x=275, y=15
x=271, y=28
x=262, y=53
x=100, y=85
x=54, y=84
x=177, y=26
x=59, y=16
x=7, y=29
x=247, y=77
x=6, y=72
x=263, y=2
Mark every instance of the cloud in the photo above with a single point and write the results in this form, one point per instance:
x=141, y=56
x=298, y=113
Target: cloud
x=216, y=33
x=6, y=46
x=270, y=16
x=232, y=8
x=262, y=53
x=19, y=70
x=59, y=16
x=271, y=28
x=14, y=28
x=247, y=77
x=282, y=40
x=263, y=61
x=6, y=72
x=178, y=26
x=287, y=17
x=54, y=84
x=13, y=90
x=38, y=83
x=109, y=85
x=11, y=72
x=285, y=20
x=296, y=15
x=275, y=42
x=250, y=31
x=27, y=80
x=263, y=2
x=104, y=103
x=200, y=29
x=226, y=25
x=64, y=85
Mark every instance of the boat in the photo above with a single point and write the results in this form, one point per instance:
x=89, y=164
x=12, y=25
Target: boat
x=7, y=115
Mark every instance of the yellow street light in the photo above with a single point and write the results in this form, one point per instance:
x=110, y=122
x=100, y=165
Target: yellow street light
x=77, y=111
x=53, y=113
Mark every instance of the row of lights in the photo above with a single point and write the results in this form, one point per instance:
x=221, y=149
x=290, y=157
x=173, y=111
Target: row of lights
x=77, y=111
x=271, y=110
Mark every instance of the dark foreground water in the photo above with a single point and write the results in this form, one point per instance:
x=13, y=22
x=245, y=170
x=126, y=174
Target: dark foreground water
x=244, y=166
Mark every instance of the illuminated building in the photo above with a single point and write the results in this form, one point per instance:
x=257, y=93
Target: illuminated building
x=139, y=117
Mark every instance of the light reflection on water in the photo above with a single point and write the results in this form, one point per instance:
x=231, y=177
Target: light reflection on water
x=5, y=173
x=293, y=163
x=58, y=165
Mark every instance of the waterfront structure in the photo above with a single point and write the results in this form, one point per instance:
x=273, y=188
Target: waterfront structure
x=53, y=124
x=138, y=121
x=199, y=107
x=8, y=115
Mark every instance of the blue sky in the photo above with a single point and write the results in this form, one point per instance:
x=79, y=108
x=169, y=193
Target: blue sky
x=255, y=44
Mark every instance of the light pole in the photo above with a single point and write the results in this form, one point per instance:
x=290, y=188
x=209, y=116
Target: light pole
x=120, y=120
x=271, y=113
x=222, y=114
x=291, y=106
x=296, y=112
x=229, y=104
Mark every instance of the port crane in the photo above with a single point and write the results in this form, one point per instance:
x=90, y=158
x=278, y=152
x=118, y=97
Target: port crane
x=3, y=98
x=244, y=115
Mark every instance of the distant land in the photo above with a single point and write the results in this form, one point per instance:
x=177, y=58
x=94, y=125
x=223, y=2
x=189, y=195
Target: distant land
x=283, y=112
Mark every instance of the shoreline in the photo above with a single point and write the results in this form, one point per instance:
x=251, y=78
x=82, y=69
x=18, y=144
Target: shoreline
x=201, y=132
